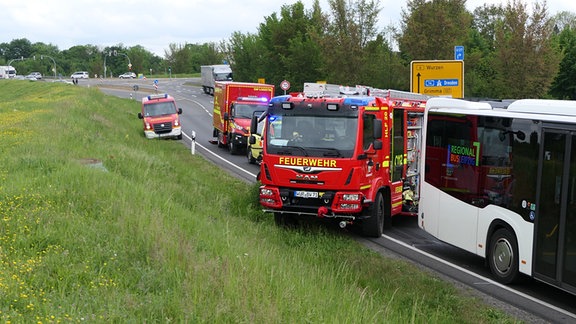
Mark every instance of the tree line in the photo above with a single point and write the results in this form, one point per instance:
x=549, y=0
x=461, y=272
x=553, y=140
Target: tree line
x=513, y=50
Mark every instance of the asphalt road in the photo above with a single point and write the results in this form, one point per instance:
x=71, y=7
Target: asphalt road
x=530, y=301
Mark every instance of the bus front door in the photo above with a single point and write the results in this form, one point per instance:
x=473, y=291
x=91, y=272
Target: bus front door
x=555, y=217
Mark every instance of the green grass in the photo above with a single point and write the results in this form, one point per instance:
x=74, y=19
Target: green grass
x=155, y=234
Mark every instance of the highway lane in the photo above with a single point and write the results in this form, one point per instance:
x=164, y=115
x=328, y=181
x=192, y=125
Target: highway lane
x=530, y=301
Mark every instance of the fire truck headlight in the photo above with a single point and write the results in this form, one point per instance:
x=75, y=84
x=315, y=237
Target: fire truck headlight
x=176, y=122
x=266, y=192
x=148, y=126
x=351, y=197
x=240, y=128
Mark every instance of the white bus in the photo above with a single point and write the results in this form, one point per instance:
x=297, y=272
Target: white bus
x=500, y=182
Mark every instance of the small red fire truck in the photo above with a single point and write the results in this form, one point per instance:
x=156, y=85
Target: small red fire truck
x=352, y=158
x=234, y=105
x=160, y=117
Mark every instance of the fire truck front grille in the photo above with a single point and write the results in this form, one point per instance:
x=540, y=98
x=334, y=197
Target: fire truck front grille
x=291, y=200
x=163, y=128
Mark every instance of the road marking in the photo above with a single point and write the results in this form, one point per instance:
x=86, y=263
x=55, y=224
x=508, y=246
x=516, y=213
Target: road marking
x=221, y=158
x=201, y=105
x=488, y=280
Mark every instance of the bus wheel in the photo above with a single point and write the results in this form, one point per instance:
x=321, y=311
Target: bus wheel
x=503, y=256
x=373, y=226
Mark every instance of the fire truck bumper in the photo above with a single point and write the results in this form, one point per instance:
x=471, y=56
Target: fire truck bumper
x=239, y=140
x=175, y=133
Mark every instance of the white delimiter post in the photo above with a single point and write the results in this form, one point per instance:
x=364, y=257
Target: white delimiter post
x=193, y=144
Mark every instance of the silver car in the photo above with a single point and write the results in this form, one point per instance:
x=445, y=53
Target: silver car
x=35, y=75
x=128, y=75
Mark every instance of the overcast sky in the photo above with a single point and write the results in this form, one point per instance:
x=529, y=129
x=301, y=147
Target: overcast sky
x=157, y=24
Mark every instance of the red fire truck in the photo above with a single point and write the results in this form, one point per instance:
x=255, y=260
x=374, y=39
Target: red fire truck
x=234, y=105
x=161, y=117
x=350, y=158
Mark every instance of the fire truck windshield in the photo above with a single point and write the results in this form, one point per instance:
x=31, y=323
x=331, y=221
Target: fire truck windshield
x=159, y=108
x=311, y=135
x=245, y=110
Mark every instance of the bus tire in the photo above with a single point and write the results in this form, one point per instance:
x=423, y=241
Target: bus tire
x=374, y=225
x=503, y=256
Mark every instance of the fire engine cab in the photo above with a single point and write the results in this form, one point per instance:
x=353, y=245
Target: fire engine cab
x=350, y=156
x=160, y=117
x=234, y=105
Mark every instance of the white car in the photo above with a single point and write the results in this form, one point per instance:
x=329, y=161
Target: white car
x=80, y=75
x=36, y=75
x=128, y=75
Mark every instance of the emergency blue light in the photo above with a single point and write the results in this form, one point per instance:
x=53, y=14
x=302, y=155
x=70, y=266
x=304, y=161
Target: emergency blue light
x=280, y=98
x=358, y=101
x=250, y=98
x=158, y=96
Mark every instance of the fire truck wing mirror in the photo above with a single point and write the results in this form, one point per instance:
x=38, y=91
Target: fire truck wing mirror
x=252, y=140
x=226, y=116
x=179, y=111
x=377, y=129
x=377, y=144
x=254, y=125
x=140, y=116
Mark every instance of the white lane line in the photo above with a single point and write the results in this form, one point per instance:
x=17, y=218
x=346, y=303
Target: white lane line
x=209, y=112
x=499, y=285
x=221, y=158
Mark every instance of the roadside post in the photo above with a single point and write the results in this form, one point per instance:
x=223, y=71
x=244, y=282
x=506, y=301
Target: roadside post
x=193, y=144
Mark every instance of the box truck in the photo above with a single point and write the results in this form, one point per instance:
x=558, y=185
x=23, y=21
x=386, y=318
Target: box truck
x=213, y=73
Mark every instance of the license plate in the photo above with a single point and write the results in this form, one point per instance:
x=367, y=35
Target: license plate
x=306, y=194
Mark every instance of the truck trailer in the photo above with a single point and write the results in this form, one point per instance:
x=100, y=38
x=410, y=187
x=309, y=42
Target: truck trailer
x=351, y=156
x=234, y=106
x=212, y=73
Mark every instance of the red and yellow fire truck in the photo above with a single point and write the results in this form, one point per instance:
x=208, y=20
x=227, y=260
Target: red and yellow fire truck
x=234, y=106
x=351, y=158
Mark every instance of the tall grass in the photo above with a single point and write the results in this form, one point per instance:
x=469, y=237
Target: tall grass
x=99, y=224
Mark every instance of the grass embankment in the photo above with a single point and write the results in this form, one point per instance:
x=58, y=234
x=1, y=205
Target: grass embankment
x=154, y=234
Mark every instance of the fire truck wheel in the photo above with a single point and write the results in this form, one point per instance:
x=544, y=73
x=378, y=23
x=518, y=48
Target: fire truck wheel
x=374, y=225
x=503, y=256
x=285, y=220
x=251, y=158
x=233, y=148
